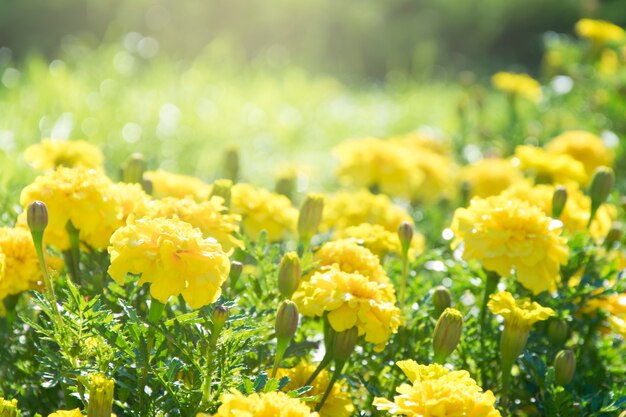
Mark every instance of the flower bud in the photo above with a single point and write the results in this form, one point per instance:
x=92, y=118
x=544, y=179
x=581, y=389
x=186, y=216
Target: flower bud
x=286, y=320
x=219, y=317
x=222, y=188
x=289, y=274
x=147, y=186
x=466, y=193
x=133, y=171
x=614, y=235
x=559, y=199
x=557, y=332
x=37, y=216
x=447, y=334
x=235, y=272
x=8, y=408
x=286, y=186
x=310, y=216
x=231, y=164
x=100, y=396
x=344, y=343
x=601, y=185
x=512, y=343
x=441, y=299
x=564, y=367
x=405, y=233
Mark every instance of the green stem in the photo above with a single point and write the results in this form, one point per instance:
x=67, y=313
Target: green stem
x=50, y=295
x=405, y=266
x=339, y=365
x=154, y=314
x=281, y=348
x=74, y=252
x=323, y=364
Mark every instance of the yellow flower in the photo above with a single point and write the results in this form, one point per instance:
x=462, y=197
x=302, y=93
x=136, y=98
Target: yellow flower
x=83, y=196
x=521, y=314
x=350, y=299
x=67, y=413
x=438, y=392
x=261, y=209
x=615, y=306
x=599, y=31
x=211, y=217
x=517, y=84
x=131, y=198
x=168, y=184
x=345, y=209
x=171, y=255
x=338, y=403
x=270, y=404
x=506, y=234
x=419, y=141
x=490, y=176
x=609, y=63
x=50, y=154
x=548, y=167
x=584, y=147
x=20, y=267
x=379, y=240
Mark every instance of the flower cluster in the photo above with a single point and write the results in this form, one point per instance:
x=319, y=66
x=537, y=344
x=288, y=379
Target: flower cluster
x=271, y=404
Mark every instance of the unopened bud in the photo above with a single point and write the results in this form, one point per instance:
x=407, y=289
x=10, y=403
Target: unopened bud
x=100, y=396
x=133, y=171
x=8, y=408
x=286, y=186
x=289, y=274
x=286, y=320
x=147, y=186
x=405, y=233
x=614, y=235
x=442, y=299
x=557, y=332
x=512, y=344
x=220, y=315
x=564, y=367
x=235, y=272
x=447, y=334
x=344, y=343
x=466, y=193
x=310, y=216
x=601, y=185
x=37, y=216
x=231, y=164
x=559, y=199
x=222, y=188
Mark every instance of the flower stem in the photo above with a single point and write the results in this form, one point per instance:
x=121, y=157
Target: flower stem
x=72, y=257
x=405, y=267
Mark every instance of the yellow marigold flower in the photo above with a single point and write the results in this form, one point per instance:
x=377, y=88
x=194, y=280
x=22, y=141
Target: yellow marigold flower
x=168, y=184
x=548, y=167
x=490, y=176
x=346, y=208
x=67, y=413
x=210, y=216
x=131, y=198
x=350, y=299
x=19, y=266
x=83, y=196
x=521, y=314
x=338, y=403
x=438, y=392
x=609, y=63
x=379, y=240
x=615, y=306
x=261, y=209
x=50, y=154
x=599, y=31
x=584, y=147
x=517, y=84
x=270, y=404
x=173, y=256
x=506, y=234
x=419, y=141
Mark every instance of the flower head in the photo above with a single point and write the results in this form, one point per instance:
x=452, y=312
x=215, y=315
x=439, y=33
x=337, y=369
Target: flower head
x=549, y=167
x=584, y=147
x=50, y=154
x=490, y=176
x=379, y=240
x=168, y=184
x=517, y=84
x=506, y=234
x=270, y=404
x=521, y=313
x=67, y=413
x=173, y=256
x=599, y=31
x=438, y=392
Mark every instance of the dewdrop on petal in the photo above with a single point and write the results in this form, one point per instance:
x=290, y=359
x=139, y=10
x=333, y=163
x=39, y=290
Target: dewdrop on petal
x=564, y=367
x=289, y=274
x=559, y=199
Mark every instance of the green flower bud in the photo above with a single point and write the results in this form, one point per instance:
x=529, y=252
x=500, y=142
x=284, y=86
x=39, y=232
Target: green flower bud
x=286, y=186
x=289, y=274
x=405, y=233
x=557, y=332
x=447, y=334
x=310, y=216
x=564, y=367
x=100, y=396
x=466, y=193
x=235, y=272
x=37, y=216
x=231, y=164
x=442, y=299
x=147, y=186
x=133, y=171
x=512, y=343
x=614, y=235
x=222, y=188
x=286, y=320
x=8, y=408
x=601, y=185
x=559, y=199
x=344, y=343
x=220, y=315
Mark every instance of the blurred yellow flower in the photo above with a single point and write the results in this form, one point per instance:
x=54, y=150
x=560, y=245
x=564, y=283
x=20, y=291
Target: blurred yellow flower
x=418, y=141
x=522, y=85
x=438, y=392
x=584, y=147
x=599, y=31
x=168, y=184
x=19, y=266
x=173, y=256
x=615, y=306
x=508, y=233
x=131, y=198
x=50, y=154
x=379, y=240
x=519, y=314
x=261, y=209
x=338, y=403
x=270, y=404
x=67, y=413
x=350, y=299
x=490, y=176
x=549, y=167
x=609, y=63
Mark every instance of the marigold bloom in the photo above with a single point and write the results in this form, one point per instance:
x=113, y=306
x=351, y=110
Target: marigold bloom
x=261, y=209
x=50, y=154
x=584, y=147
x=67, y=413
x=379, y=240
x=438, y=392
x=506, y=234
x=350, y=299
x=338, y=403
x=520, y=313
x=548, y=167
x=83, y=196
x=19, y=266
x=490, y=176
x=615, y=306
x=419, y=141
x=168, y=184
x=131, y=199
x=173, y=257
x=599, y=31
x=270, y=404
x=517, y=84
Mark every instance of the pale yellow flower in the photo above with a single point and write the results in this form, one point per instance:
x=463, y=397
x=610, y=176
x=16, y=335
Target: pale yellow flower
x=379, y=240
x=518, y=84
x=50, y=154
x=521, y=313
x=599, y=31
x=549, y=167
x=584, y=147
x=168, y=184
x=490, y=176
